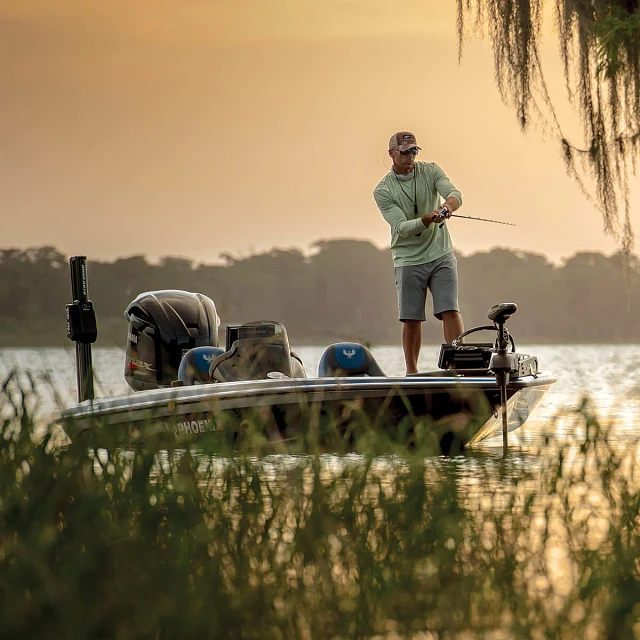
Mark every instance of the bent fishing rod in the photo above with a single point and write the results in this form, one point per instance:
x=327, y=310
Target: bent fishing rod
x=443, y=214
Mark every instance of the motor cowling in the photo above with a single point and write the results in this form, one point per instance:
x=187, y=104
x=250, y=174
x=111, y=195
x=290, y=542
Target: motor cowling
x=348, y=359
x=163, y=326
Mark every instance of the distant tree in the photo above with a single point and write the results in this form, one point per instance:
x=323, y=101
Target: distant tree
x=343, y=291
x=599, y=44
x=180, y=265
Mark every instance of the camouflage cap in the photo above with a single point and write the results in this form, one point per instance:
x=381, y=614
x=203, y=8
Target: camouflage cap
x=402, y=141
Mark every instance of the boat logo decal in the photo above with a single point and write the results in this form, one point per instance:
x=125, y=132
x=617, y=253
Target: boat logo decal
x=134, y=363
x=208, y=358
x=192, y=427
x=350, y=356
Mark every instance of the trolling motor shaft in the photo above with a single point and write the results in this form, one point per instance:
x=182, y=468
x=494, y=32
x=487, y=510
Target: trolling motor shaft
x=503, y=364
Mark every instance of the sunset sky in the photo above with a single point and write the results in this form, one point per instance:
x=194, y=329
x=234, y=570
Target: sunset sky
x=196, y=128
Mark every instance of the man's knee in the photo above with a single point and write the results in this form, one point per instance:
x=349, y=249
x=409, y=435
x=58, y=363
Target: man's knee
x=449, y=315
x=411, y=325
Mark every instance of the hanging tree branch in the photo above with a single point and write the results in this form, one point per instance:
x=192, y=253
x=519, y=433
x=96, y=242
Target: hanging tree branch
x=599, y=45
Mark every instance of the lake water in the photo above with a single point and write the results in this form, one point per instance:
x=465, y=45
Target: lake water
x=608, y=374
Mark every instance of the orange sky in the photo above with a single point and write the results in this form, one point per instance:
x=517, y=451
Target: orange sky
x=201, y=127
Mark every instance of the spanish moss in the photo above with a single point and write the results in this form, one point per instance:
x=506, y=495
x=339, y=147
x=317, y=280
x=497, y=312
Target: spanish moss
x=599, y=44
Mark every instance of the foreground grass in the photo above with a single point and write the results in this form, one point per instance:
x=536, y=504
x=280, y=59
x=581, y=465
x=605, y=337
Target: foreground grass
x=103, y=543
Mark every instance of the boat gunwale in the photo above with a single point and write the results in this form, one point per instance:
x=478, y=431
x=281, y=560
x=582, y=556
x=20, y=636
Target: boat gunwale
x=296, y=387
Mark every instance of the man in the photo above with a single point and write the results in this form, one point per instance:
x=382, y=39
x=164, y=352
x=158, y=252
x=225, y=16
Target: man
x=408, y=198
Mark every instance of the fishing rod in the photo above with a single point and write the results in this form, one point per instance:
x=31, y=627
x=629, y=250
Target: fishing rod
x=443, y=214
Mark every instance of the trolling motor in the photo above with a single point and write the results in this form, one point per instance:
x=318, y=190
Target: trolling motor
x=499, y=358
x=81, y=327
x=503, y=364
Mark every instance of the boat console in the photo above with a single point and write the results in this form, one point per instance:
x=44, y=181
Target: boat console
x=258, y=350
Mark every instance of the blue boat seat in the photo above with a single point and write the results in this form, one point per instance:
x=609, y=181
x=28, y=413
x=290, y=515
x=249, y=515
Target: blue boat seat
x=195, y=364
x=348, y=359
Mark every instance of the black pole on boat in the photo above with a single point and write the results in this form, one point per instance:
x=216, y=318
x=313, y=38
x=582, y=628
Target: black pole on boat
x=81, y=326
x=503, y=363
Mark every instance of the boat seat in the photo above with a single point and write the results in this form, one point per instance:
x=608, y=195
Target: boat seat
x=348, y=359
x=194, y=366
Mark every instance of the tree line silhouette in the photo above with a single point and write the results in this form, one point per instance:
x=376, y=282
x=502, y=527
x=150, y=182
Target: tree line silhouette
x=344, y=290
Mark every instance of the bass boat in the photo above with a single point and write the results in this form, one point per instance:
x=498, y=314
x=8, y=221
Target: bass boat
x=186, y=387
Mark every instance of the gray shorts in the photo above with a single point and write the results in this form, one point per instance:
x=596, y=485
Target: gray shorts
x=439, y=276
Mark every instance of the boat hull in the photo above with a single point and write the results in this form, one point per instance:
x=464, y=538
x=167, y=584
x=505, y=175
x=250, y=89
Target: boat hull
x=453, y=411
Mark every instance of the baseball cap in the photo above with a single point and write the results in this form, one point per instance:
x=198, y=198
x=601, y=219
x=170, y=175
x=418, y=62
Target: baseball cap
x=402, y=141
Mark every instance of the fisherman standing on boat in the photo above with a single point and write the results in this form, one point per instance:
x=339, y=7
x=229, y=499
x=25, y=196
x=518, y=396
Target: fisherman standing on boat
x=408, y=198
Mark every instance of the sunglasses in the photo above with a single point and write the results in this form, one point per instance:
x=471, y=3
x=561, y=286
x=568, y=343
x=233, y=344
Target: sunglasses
x=414, y=151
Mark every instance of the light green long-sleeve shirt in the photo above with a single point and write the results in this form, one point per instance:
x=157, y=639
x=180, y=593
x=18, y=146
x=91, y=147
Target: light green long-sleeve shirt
x=395, y=201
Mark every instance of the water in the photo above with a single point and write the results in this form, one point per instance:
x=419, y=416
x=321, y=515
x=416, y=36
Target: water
x=608, y=374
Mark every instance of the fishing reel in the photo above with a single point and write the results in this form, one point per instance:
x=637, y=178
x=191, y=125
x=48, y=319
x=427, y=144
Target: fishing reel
x=443, y=214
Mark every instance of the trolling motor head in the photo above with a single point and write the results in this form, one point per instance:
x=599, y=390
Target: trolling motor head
x=500, y=313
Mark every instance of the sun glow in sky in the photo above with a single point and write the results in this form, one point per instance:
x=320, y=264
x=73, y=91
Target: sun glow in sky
x=201, y=127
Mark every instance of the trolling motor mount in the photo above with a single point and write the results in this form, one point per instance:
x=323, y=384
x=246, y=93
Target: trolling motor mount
x=503, y=364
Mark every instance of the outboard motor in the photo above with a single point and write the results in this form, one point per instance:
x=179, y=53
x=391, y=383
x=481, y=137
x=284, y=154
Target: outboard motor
x=163, y=326
x=259, y=350
x=348, y=359
x=194, y=366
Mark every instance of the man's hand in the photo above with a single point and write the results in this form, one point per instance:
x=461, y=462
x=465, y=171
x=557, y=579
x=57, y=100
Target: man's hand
x=430, y=217
x=441, y=214
x=452, y=203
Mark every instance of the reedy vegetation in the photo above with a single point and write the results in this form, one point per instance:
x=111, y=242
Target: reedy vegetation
x=105, y=543
x=599, y=42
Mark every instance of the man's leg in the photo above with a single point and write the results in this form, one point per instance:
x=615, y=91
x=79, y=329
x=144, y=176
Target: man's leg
x=411, y=343
x=452, y=325
x=411, y=286
x=444, y=289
